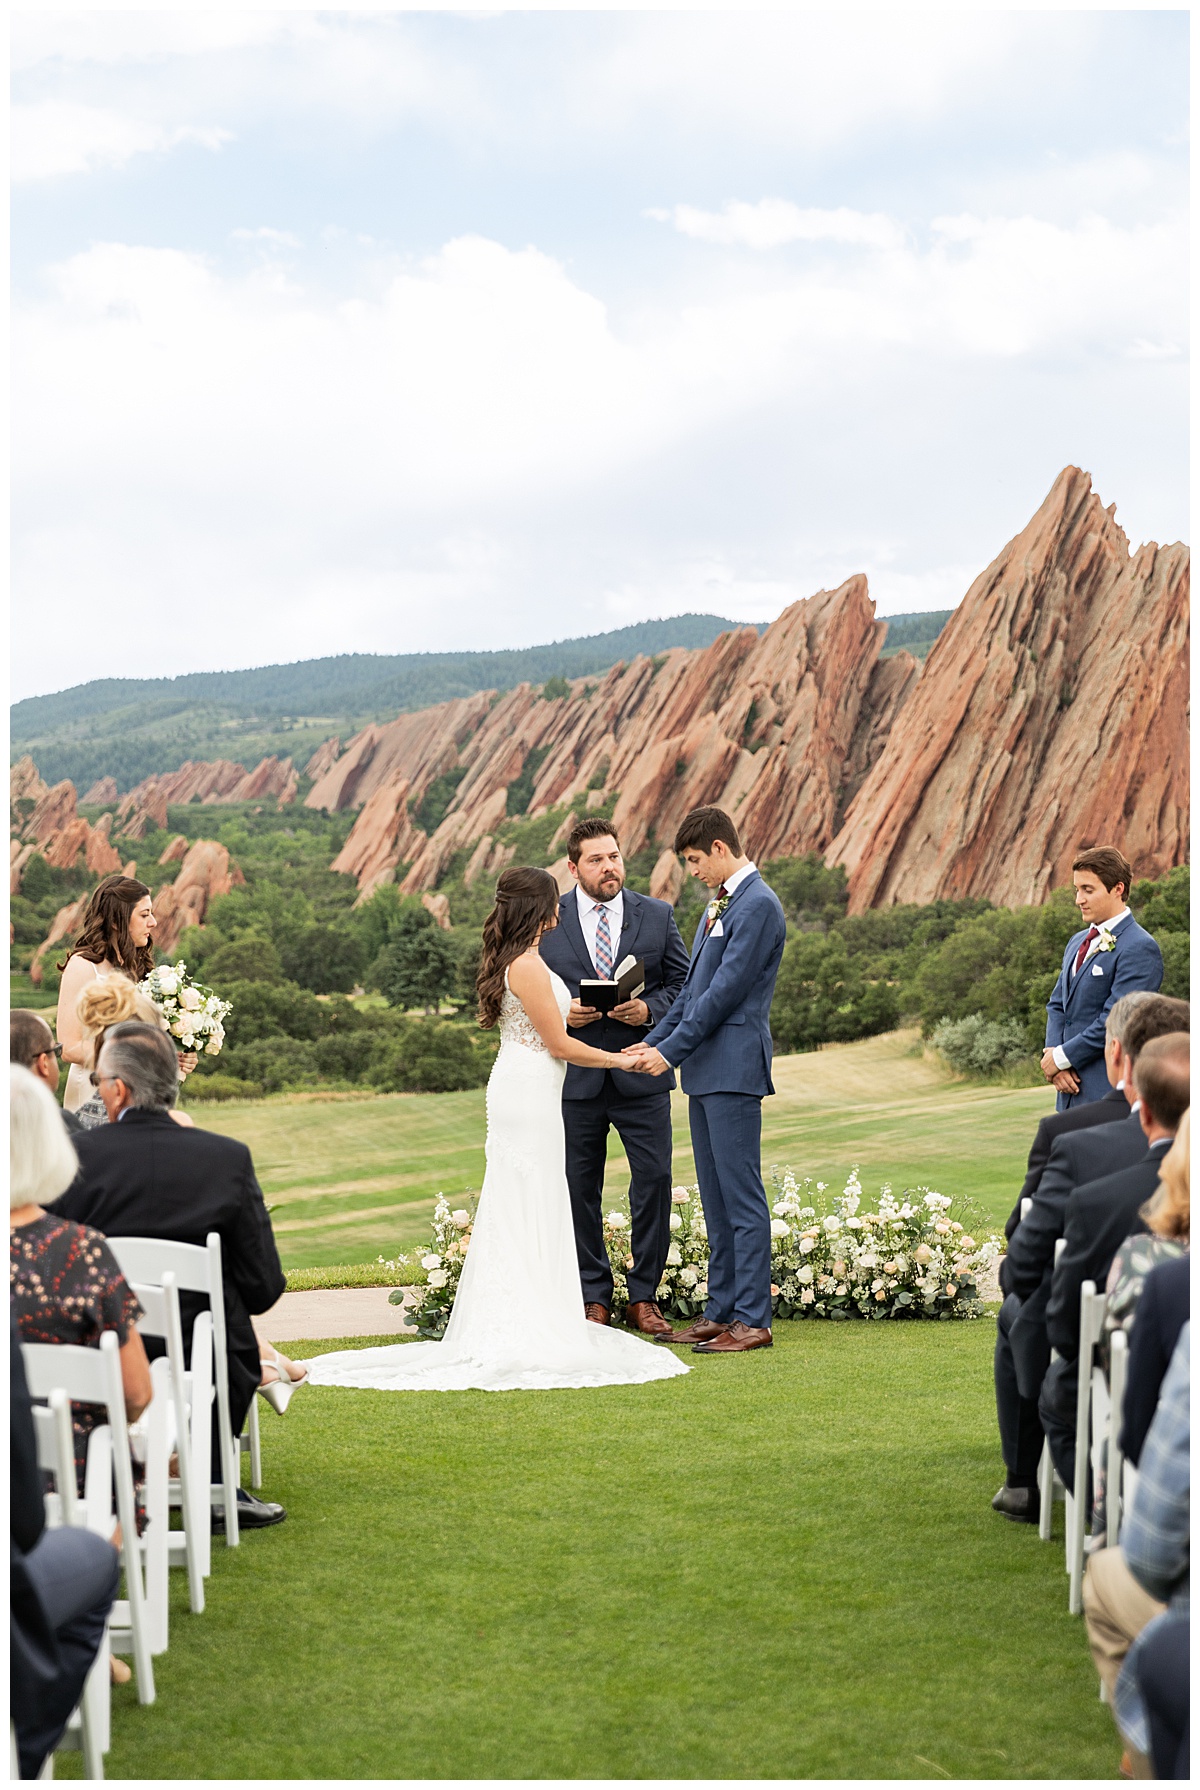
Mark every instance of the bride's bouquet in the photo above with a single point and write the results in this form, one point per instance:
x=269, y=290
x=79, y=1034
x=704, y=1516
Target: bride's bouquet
x=194, y=1015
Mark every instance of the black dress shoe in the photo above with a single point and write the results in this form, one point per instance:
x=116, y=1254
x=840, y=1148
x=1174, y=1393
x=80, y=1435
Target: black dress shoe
x=252, y=1513
x=1019, y=1503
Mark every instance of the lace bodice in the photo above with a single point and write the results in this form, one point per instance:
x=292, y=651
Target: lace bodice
x=516, y=1027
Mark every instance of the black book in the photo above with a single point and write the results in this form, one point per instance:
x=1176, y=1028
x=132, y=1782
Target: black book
x=626, y=985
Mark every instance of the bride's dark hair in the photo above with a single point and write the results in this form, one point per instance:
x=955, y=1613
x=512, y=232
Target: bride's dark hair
x=526, y=901
x=104, y=936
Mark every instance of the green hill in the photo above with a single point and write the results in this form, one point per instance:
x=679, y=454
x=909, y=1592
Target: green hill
x=130, y=728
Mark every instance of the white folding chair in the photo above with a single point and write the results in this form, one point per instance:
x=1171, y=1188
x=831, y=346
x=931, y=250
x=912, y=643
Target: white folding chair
x=144, y=1261
x=90, y=1725
x=1050, y=1486
x=1092, y=1307
x=93, y=1377
x=160, y=1309
x=1120, y=1479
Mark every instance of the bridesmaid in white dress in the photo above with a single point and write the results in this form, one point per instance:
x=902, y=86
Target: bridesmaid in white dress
x=518, y=1320
x=114, y=940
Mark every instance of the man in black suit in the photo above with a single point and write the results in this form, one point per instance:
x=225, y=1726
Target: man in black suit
x=142, y=1175
x=600, y=923
x=1163, y=1309
x=1022, y=1352
x=31, y=1043
x=1099, y=1216
x=1114, y=1105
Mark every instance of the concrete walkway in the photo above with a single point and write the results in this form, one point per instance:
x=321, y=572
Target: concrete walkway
x=340, y=1311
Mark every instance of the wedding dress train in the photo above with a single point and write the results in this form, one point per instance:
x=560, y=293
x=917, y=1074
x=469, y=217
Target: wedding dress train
x=518, y=1322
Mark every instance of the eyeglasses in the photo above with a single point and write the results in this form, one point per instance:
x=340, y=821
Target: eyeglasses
x=51, y=1050
x=96, y=1078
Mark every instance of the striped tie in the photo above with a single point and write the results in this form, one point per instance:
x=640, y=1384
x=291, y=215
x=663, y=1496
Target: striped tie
x=604, y=956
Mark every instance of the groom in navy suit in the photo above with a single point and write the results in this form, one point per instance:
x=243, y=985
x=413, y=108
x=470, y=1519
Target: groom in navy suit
x=718, y=1032
x=1111, y=957
x=600, y=923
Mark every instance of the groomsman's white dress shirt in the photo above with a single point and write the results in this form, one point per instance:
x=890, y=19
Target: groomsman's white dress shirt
x=589, y=919
x=1062, y=1060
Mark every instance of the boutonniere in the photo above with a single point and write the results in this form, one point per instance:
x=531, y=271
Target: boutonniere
x=1106, y=941
x=715, y=909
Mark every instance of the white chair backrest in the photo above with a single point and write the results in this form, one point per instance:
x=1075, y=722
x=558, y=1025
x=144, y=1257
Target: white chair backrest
x=147, y=1259
x=1026, y=1207
x=1114, y=1474
x=56, y=1454
x=1060, y=1243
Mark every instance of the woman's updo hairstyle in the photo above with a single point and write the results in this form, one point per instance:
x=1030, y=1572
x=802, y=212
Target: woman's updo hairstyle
x=104, y=936
x=109, y=1001
x=526, y=902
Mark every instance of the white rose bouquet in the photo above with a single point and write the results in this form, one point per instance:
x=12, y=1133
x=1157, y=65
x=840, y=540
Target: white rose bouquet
x=443, y=1264
x=195, y=1016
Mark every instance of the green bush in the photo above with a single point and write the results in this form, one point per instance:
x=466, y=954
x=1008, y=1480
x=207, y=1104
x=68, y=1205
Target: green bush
x=273, y=1063
x=219, y=1087
x=432, y=1058
x=807, y=887
x=269, y=1010
x=418, y=967
x=821, y=996
x=979, y=1046
x=250, y=958
x=327, y=959
x=1177, y=963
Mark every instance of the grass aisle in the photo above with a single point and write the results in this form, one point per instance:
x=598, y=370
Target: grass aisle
x=781, y=1566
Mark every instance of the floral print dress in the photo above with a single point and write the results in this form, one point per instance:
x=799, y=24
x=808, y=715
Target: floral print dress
x=66, y=1287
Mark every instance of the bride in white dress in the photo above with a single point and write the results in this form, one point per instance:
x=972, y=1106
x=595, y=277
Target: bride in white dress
x=518, y=1320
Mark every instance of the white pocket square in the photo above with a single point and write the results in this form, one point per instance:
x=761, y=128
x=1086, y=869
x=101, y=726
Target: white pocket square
x=718, y=931
x=1097, y=969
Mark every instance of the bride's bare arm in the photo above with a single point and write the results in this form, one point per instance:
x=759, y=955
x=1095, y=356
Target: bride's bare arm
x=75, y=978
x=529, y=980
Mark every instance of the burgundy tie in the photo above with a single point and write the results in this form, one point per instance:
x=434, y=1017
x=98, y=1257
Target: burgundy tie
x=1093, y=932
x=710, y=919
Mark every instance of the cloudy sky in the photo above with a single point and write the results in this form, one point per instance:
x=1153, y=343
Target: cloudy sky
x=405, y=331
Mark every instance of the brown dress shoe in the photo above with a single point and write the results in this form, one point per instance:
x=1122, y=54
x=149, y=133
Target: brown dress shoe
x=734, y=1340
x=699, y=1330
x=595, y=1313
x=645, y=1316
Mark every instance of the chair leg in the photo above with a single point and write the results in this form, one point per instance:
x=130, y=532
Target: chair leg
x=1045, y=1494
x=255, y=1447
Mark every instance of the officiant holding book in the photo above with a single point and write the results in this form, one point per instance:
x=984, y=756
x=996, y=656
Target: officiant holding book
x=607, y=934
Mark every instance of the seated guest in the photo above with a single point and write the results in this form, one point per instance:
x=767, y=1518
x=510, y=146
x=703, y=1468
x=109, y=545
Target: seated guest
x=142, y=1176
x=1154, y=1551
x=64, y=1281
x=31, y=1044
x=1099, y=1217
x=1162, y=1311
x=1022, y=1352
x=1167, y=1216
x=1126, y=1588
x=62, y=1583
x=1162, y=1669
x=106, y=1002
x=1113, y=1105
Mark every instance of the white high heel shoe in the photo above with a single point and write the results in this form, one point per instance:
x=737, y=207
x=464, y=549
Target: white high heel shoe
x=278, y=1392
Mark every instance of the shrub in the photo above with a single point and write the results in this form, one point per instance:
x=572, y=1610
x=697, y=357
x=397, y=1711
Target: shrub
x=220, y=1087
x=1177, y=963
x=979, y=1046
x=250, y=958
x=327, y=959
x=418, y=967
x=807, y=887
x=821, y=996
x=435, y=1058
x=274, y=1063
x=266, y=1010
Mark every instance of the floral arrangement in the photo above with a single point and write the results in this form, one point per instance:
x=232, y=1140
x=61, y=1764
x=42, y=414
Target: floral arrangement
x=194, y=1014
x=443, y=1264
x=908, y=1258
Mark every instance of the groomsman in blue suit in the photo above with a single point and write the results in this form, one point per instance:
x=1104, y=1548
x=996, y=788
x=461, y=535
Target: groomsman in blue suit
x=718, y=1034
x=1111, y=957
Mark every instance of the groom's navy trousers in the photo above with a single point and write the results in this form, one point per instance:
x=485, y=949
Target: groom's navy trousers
x=718, y=1031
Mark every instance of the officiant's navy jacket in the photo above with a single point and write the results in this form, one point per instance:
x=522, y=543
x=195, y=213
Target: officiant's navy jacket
x=719, y=1029
x=1079, y=1006
x=648, y=931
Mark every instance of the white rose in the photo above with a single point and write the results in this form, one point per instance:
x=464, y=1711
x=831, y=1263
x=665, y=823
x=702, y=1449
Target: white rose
x=615, y=1221
x=968, y=1243
x=168, y=982
x=213, y=1047
x=779, y=1229
x=942, y=1228
x=680, y=1196
x=673, y=1256
x=438, y=1277
x=805, y=1275
x=951, y=1289
x=923, y=1253
x=868, y=1259
x=702, y=1290
x=807, y=1244
x=675, y=1221
x=431, y=1261
x=833, y=1225
x=854, y=1224
x=190, y=1000
x=689, y=1277
x=807, y=1296
x=460, y=1218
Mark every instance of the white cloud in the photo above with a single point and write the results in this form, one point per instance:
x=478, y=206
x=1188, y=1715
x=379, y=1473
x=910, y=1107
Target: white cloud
x=264, y=471
x=56, y=137
x=773, y=222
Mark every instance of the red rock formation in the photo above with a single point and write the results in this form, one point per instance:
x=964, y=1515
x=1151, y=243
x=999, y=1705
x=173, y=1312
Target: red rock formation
x=203, y=875
x=18, y=856
x=103, y=791
x=61, y=835
x=55, y=810
x=217, y=781
x=666, y=879
x=439, y=907
x=323, y=759
x=142, y=811
x=24, y=783
x=102, y=856
x=1051, y=714
x=176, y=852
x=770, y=728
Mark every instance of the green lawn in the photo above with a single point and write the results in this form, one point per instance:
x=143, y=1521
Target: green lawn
x=780, y=1566
x=352, y=1177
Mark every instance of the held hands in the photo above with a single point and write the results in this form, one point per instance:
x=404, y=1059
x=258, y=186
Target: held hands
x=643, y=1059
x=1065, y=1080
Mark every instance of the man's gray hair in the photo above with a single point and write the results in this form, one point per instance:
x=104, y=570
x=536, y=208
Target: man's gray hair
x=145, y=1060
x=1122, y=1011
